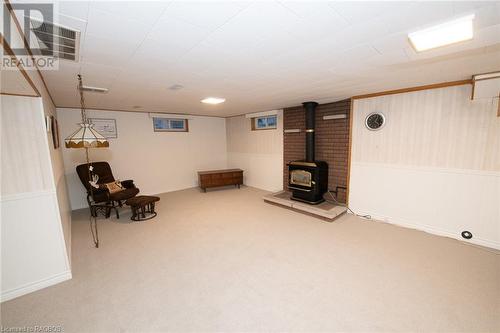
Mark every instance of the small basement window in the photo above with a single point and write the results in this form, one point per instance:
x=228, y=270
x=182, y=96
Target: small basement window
x=170, y=125
x=263, y=123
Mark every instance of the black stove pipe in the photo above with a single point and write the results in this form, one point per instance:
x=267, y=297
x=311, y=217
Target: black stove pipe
x=310, y=108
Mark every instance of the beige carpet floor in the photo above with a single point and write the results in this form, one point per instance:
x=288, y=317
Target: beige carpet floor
x=227, y=261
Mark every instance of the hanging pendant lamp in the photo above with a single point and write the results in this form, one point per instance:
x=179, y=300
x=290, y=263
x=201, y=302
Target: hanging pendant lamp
x=86, y=136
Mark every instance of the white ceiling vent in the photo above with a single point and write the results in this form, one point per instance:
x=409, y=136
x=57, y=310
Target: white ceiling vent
x=176, y=87
x=56, y=40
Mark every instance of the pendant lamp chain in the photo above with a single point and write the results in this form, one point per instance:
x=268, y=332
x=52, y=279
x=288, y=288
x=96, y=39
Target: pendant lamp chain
x=82, y=99
x=93, y=219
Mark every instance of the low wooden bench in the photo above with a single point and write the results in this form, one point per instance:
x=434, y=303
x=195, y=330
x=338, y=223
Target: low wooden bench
x=216, y=178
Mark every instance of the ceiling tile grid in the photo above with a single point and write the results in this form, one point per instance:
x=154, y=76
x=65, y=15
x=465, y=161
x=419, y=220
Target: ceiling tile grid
x=261, y=55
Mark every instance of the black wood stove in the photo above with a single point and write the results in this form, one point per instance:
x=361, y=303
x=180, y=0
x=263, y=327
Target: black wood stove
x=308, y=179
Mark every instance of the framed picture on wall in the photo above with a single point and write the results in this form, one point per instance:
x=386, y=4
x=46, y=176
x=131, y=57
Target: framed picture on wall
x=55, y=132
x=107, y=127
x=48, y=124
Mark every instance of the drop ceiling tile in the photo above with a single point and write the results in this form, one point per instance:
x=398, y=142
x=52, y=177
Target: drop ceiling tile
x=310, y=9
x=144, y=11
x=99, y=50
x=219, y=61
x=177, y=33
x=77, y=9
x=266, y=54
x=361, y=11
x=467, y=7
x=387, y=44
x=157, y=54
x=418, y=16
x=391, y=50
x=204, y=14
x=318, y=19
x=274, y=44
x=98, y=75
x=310, y=56
x=360, y=34
x=262, y=17
x=113, y=26
x=65, y=76
x=354, y=58
x=66, y=95
x=310, y=29
x=390, y=57
x=72, y=23
x=242, y=33
x=233, y=39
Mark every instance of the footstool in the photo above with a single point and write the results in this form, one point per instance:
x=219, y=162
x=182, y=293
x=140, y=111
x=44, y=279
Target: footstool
x=143, y=207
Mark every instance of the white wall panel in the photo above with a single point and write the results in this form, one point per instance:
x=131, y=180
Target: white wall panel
x=440, y=201
x=258, y=153
x=157, y=161
x=33, y=248
x=432, y=128
x=435, y=166
x=24, y=148
x=56, y=166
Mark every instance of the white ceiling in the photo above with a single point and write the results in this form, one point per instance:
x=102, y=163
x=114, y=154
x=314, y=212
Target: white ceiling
x=261, y=55
x=13, y=82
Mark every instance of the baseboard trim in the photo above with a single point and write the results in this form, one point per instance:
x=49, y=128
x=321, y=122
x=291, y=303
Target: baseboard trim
x=431, y=230
x=34, y=286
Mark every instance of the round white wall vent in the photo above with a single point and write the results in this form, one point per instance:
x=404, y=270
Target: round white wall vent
x=375, y=121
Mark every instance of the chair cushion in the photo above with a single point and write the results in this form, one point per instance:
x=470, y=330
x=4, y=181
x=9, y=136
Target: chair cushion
x=114, y=187
x=128, y=183
x=105, y=196
x=124, y=195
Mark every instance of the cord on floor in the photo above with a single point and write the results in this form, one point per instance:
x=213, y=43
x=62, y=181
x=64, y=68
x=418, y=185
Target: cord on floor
x=368, y=217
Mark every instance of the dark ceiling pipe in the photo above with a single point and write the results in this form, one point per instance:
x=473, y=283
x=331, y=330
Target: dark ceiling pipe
x=310, y=108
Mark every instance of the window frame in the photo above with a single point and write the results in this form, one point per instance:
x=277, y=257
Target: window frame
x=267, y=127
x=170, y=129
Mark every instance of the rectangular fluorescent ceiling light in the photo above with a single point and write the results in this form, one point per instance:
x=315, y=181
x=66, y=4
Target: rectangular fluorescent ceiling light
x=443, y=34
x=213, y=100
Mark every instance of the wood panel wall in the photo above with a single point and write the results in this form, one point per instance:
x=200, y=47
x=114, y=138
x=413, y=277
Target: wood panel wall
x=430, y=128
x=25, y=153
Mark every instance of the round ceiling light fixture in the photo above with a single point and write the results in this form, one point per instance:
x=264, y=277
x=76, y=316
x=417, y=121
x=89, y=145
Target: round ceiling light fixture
x=213, y=100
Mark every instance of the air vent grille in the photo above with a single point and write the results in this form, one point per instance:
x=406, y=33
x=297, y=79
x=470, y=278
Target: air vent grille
x=56, y=40
x=176, y=87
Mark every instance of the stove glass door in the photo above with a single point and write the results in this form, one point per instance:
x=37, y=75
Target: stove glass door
x=300, y=177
